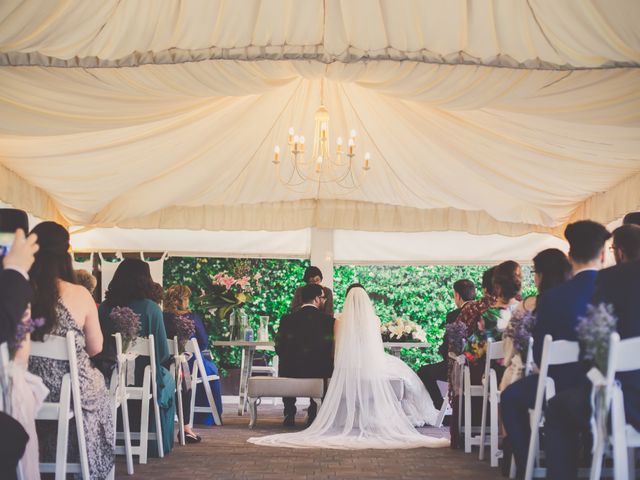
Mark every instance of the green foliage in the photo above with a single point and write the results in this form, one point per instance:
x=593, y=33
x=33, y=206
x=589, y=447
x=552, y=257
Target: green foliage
x=279, y=280
x=420, y=293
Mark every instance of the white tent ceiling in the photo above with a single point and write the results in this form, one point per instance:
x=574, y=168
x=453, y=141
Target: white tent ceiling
x=487, y=118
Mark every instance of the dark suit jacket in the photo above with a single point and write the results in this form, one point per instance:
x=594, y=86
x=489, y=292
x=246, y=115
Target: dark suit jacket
x=327, y=308
x=15, y=294
x=558, y=312
x=304, y=344
x=452, y=316
x=620, y=286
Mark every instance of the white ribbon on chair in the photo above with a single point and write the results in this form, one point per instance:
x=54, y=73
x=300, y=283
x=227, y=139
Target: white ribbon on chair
x=599, y=410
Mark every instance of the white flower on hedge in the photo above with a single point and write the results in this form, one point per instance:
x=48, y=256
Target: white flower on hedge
x=396, y=330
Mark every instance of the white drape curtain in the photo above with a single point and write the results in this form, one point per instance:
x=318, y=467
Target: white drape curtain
x=533, y=33
x=505, y=118
x=469, y=148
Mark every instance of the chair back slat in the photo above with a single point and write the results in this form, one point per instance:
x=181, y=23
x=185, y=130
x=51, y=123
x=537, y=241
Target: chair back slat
x=141, y=346
x=495, y=350
x=563, y=351
x=627, y=358
x=53, y=347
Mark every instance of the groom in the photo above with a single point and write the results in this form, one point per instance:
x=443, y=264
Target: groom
x=304, y=344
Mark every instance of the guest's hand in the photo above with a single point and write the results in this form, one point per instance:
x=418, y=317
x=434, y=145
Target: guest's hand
x=21, y=255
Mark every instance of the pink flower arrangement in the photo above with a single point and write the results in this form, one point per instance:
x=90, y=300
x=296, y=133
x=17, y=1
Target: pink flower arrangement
x=228, y=292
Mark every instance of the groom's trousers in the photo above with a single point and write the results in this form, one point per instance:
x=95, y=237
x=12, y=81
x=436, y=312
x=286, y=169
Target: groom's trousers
x=290, y=403
x=430, y=374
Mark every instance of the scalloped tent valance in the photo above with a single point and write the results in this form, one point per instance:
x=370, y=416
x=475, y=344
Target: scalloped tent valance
x=488, y=118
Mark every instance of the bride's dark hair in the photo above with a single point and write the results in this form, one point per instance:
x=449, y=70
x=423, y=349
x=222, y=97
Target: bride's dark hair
x=354, y=285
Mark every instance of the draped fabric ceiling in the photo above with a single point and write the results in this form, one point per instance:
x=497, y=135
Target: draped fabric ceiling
x=492, y=117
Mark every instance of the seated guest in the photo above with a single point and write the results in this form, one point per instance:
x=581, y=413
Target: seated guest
x=86, y=279
x=631, y=218
x=463, y=292
x=176, y=302
x=569, y=412
x=305, y=345
x=15, y=295
x=487, y=282
x=133, y=287
x=557, y=314
x=67, y=307
x=313, y=276
x=551, y=267
x=480, y=319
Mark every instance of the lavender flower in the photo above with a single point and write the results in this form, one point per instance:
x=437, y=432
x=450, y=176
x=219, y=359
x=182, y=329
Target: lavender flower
x=127, y=323
x=457, y=335
x=519, y=330
x=185, y=329
x=594, y=331
x=25, y=327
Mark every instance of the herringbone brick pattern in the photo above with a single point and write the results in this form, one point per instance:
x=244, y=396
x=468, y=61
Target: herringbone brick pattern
x=225, y=454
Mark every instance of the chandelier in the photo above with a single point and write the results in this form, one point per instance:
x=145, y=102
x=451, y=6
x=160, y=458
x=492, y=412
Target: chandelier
x=321, y=167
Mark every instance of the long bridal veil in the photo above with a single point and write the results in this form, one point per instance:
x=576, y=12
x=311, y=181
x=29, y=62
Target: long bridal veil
x=360, y=409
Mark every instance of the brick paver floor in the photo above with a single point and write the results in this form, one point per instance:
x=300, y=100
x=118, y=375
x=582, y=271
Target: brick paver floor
x=225, y=454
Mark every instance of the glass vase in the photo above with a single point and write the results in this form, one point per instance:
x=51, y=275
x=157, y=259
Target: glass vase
x=238, y=321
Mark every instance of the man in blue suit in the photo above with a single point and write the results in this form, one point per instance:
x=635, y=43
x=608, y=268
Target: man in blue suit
x=557, y=314
x=569, y=412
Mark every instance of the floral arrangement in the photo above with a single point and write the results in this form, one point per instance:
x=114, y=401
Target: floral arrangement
x=457, y=336
x=488, y=327
x=228, y=293
x=402, y=330
x=594, y=331
x=24, y=328
x=127, y=323
x=185, y=329
x=519, y=329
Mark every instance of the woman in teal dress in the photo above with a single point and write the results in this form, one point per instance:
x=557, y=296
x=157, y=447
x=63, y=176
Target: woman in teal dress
x=132, y=286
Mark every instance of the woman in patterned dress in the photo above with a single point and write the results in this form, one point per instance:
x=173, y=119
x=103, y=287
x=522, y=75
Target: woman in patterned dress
x=69, y=307
x=481, y=319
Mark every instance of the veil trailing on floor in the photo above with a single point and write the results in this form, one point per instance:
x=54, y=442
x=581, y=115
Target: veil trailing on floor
x=360, y=409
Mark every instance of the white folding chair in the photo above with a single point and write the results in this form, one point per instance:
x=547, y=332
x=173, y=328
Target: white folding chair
x=64, y=410
x=446, y=406
x=196, y=378
x=176, y=369
x=553, y=353
x=144, y=347
x=491, y=395
x=5, y=381
x=119, y=397
x=469, y=391
x=270, y=370
x=623, y=357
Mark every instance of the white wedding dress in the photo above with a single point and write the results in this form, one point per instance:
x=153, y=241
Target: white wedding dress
x=360, y=409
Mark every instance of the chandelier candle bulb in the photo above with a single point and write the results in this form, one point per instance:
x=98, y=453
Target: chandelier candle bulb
x=292, y=132
x=352, y=145
x=302, y=144
x=276, y=154
x=367, y=157
x=318, y=164
x=353, y=134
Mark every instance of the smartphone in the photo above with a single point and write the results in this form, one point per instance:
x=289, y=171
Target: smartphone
x=11, y=219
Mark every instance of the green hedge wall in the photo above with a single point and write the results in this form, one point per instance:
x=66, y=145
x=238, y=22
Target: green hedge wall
x=420, y=293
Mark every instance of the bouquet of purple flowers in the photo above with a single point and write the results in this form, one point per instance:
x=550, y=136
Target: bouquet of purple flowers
x=457, y=336
x=25, y=327
x=127, y=323
x=594, y=331
x=519, y=329
x=185, y=329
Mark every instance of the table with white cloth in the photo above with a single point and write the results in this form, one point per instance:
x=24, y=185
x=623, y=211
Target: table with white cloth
x=396, y=347
x=248, y=351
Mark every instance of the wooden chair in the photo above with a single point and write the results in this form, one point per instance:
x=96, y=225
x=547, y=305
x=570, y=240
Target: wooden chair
x=553, y=353
x=64, y=410
x=119, y=397
x=198, y=377
x=144, y=347
x=623, y=357
x=491, y=396
x=176, y=369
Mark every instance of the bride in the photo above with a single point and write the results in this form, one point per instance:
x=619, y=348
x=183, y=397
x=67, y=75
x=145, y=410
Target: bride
x=360, y=409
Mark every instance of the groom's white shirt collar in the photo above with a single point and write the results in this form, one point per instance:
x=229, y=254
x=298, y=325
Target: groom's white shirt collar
x=308, y=305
